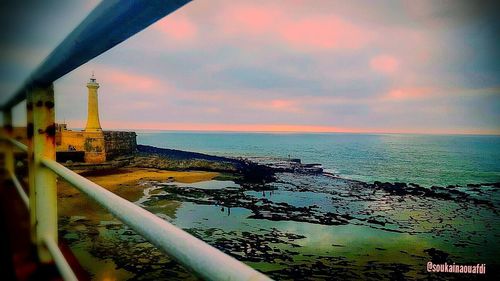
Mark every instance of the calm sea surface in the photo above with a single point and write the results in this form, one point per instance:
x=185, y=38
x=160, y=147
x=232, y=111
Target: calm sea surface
x=423, y=159
x=285, y=231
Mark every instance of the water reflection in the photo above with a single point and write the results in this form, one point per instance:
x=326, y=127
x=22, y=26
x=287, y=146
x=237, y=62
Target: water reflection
x=228, y=209
x=410, y=226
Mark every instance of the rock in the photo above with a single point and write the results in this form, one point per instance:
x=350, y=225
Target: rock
x=437, y=256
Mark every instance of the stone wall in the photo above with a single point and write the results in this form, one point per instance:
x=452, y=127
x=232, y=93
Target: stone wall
x=92, y=143
x=119, y=143
x=98, y=146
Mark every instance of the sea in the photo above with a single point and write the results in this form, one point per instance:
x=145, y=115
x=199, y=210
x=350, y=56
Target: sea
x=313, y=226
x=422, y=159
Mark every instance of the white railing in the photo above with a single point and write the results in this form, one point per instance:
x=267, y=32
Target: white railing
x=110, y=23
x=20, y=190
x=62, y=265
x=205, y=260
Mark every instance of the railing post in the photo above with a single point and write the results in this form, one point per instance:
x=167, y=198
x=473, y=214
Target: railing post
x=31, y=165
x=9, y=150
x=43, y=188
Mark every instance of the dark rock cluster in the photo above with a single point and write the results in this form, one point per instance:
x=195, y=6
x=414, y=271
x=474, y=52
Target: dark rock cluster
x=161, y=158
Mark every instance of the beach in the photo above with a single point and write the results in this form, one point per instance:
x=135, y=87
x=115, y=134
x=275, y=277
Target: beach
x=123, y=182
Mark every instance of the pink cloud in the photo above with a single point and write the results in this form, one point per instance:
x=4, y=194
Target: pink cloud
x=250, y=19
x=282, y=105
x=225, y=127
x=298, y=31
x=384, y=64
x=330, y=32
x=409, y=94
x=245, y=100
x=178, y=27
x=422, y=93
x=129, y=81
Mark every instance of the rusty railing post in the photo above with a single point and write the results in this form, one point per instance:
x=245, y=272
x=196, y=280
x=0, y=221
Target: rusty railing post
x=41, y=140
x=8, y=149
x=31, y=165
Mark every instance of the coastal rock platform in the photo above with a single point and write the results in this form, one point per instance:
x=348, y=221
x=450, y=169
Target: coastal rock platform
x=293, y=224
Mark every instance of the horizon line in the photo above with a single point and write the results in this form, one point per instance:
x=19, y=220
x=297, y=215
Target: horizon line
x=314, y=132
x=295, y=131
x=272, y=128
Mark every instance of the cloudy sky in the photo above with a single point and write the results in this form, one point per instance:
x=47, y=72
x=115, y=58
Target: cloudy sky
x=355, y=66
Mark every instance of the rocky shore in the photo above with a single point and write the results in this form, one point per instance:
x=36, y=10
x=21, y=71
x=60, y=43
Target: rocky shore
x=170, y=159
x=287, y=219
x=249, y=170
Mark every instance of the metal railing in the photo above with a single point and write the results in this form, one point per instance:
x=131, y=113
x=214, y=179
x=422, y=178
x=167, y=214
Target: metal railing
x=110, y=23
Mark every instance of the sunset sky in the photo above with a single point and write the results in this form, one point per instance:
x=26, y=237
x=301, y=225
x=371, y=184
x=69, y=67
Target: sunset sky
x=322, y=66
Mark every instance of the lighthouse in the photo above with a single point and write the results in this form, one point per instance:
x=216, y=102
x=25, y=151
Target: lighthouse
x=93, y=124
x=95, y=143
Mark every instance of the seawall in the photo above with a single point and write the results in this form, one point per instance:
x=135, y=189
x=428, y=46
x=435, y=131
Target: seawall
x=119, y=143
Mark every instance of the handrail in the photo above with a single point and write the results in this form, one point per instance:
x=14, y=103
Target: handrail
x=18, y=144
x=109, y=24
x=59, y=259
x=14, y=178
x=12, y=175
x=20, y=189
x=190, y=251
x=203, y=259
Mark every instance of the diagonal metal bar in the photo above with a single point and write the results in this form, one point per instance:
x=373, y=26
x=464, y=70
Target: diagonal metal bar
x=59, y=259
x=18, y=144
x=194, y=254
x=110, y=23
x=20, y=189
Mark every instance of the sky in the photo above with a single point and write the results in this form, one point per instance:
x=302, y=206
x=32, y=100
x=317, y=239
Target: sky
x=294, y=65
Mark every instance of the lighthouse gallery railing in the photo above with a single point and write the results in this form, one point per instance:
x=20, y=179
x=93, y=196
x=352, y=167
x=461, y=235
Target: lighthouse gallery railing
x=109, y=24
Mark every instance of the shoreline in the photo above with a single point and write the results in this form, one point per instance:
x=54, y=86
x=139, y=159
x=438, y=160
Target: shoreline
x=249, y=169
x=272, y=220
x=265, y=168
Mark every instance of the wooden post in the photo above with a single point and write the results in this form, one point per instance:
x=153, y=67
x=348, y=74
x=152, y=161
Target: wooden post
x=43, y=188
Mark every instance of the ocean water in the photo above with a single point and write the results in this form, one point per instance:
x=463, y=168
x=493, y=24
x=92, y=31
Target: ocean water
x=383, y=236
x=423, y=159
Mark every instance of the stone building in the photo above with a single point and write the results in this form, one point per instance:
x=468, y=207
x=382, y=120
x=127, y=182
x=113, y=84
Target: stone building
x=93, y=145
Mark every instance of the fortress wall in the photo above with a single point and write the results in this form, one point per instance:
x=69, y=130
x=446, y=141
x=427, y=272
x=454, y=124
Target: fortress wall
x=70, y=139
x=119, y=143
x=90, y=142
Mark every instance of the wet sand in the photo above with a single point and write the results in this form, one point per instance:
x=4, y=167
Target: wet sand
x=118, y=179
x=125, y=182
x=88, y=217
